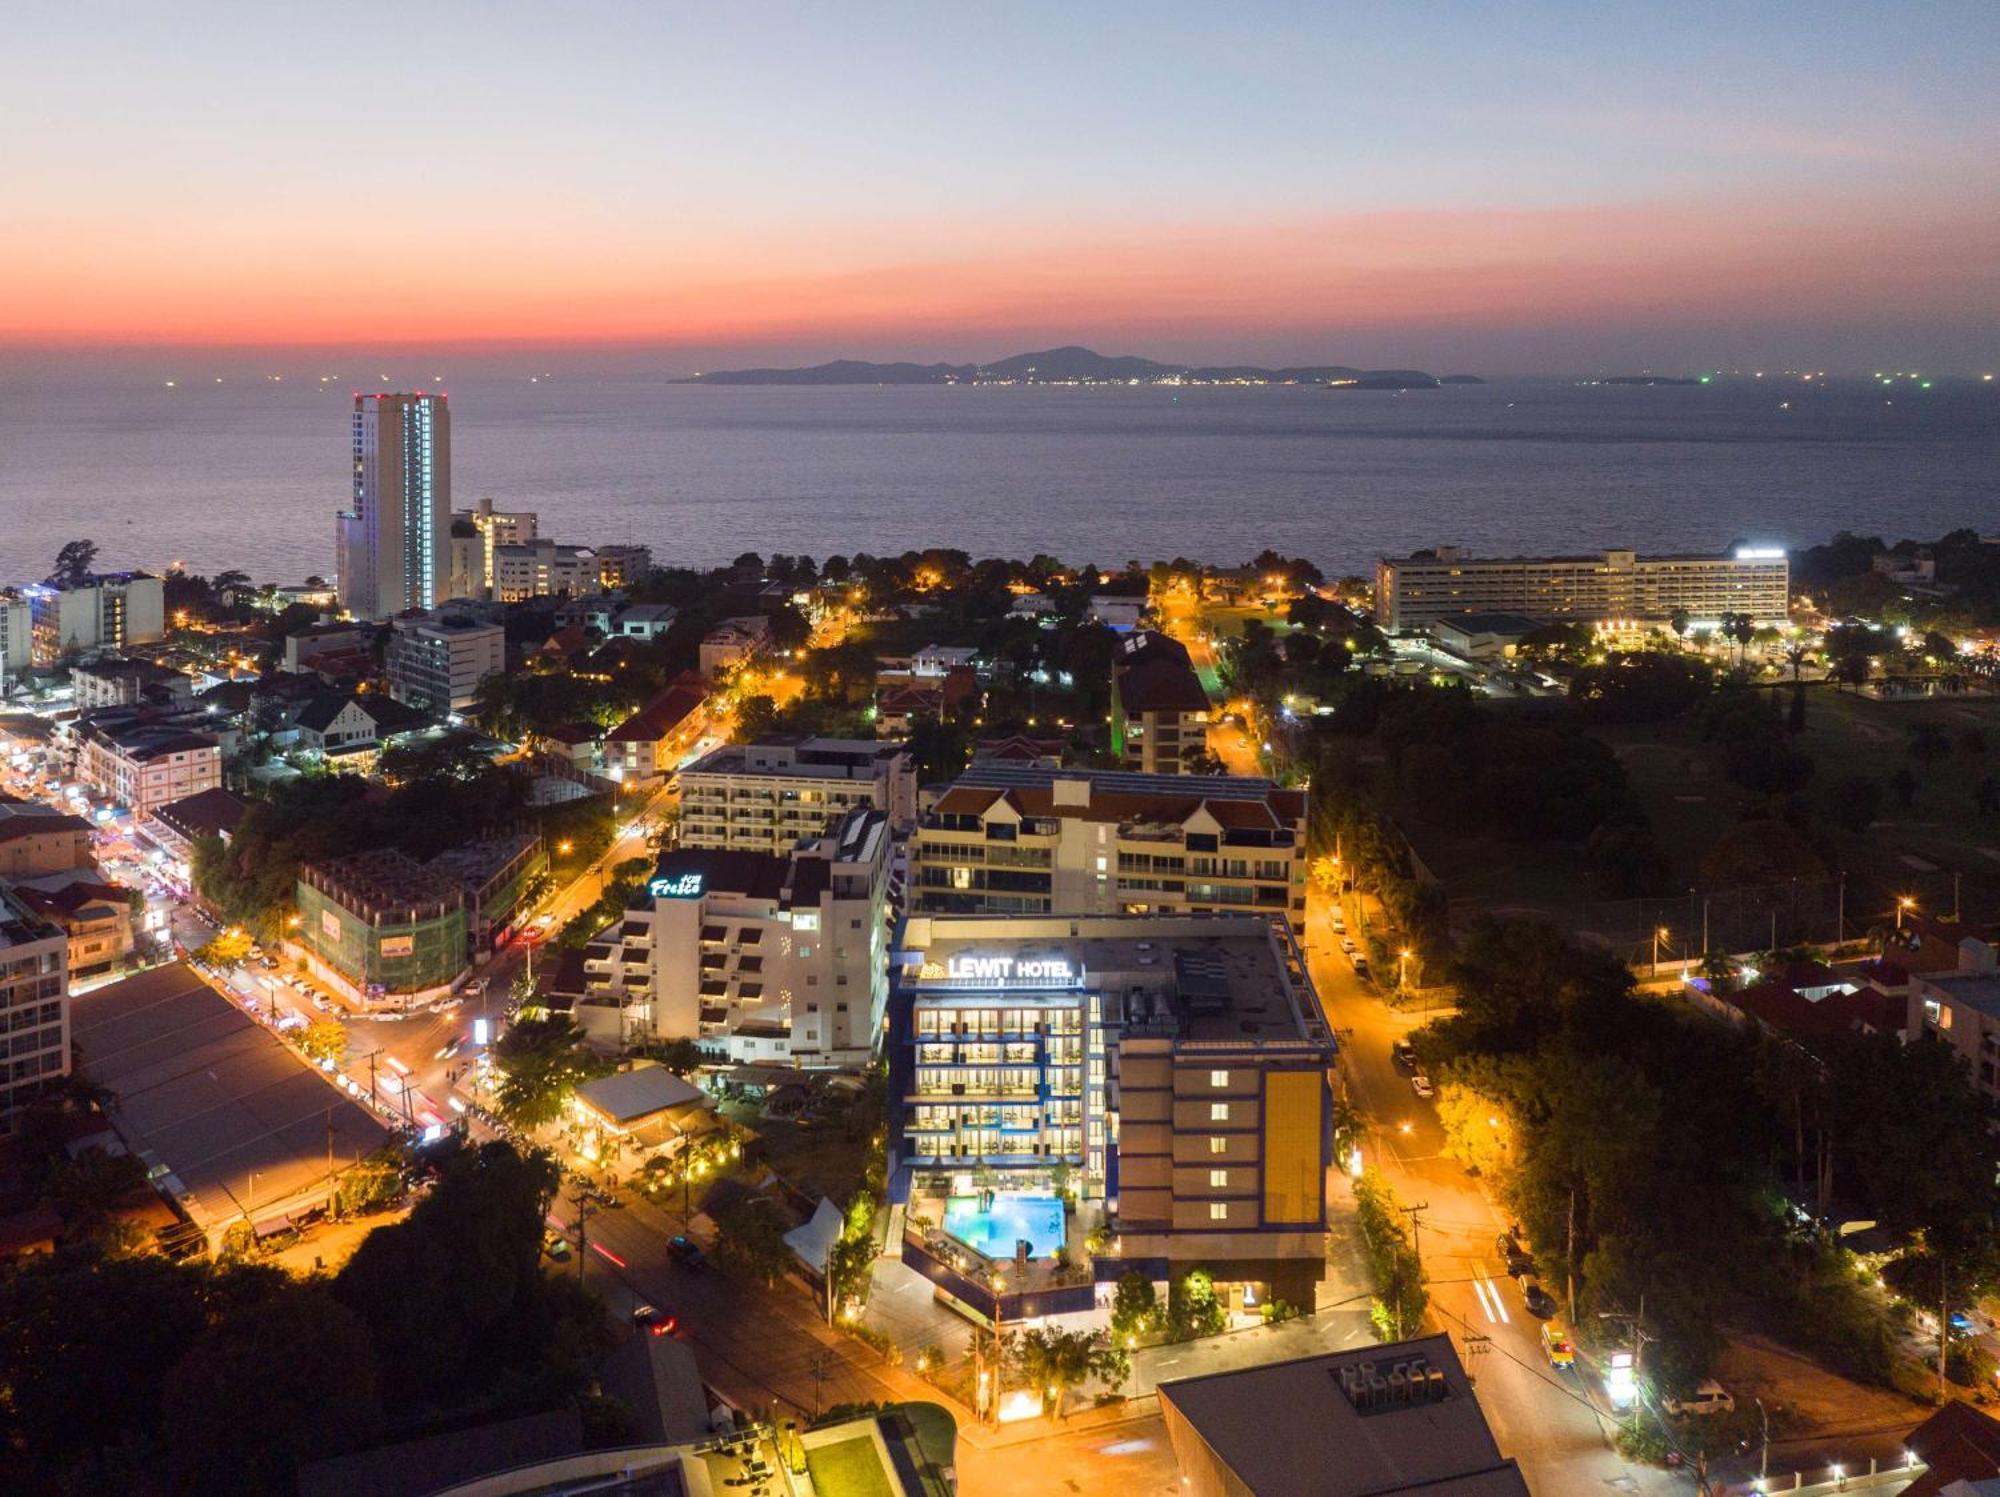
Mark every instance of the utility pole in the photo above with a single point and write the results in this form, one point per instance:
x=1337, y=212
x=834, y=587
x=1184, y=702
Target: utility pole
x=1415, y=1213
x=1840, y=919
x=582, y=1200
x=332, y=1195
x=1764, y=1455
x=1569, y=1258
x=820, y=1367
x=1944, y=1328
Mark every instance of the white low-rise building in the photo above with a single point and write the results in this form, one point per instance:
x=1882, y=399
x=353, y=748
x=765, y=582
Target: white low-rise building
x=768, y=795
x=34, y=1004
x=758, y=956
x=144, y=764
x=105, y=613
x=436, y=663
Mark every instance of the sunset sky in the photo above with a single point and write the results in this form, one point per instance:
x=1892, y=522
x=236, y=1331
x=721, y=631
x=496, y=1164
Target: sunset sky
x=1507, y=187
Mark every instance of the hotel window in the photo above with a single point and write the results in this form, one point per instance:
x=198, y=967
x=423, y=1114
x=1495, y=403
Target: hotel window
x=1218, y=1211
x=1218, y=1145
x=1218, y=1078
x=1218, y=1179
x=1218, y=1112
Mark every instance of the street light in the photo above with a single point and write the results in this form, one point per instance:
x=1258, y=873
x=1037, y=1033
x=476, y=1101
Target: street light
x=1903, y=902
x=1659, y=935
x=1403, y=968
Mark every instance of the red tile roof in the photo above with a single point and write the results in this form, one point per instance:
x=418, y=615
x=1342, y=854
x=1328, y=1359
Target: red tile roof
x=659, y=717
x=1957, y=1443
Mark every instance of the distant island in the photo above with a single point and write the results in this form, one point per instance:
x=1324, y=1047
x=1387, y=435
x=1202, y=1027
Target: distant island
x=1080, y=366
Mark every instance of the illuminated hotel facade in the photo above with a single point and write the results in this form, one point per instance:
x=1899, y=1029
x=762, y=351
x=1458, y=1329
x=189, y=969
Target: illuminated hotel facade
x=1173, y=1068
x=1413, y=592
x=393, y=545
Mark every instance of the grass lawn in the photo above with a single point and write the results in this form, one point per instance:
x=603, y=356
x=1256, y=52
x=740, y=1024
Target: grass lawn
x=848, y=1468
x=1679, y=780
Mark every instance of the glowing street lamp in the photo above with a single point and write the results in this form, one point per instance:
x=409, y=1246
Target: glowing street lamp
x=1904, y=902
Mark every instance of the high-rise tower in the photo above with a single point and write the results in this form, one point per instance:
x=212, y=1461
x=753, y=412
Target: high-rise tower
x=393, y=544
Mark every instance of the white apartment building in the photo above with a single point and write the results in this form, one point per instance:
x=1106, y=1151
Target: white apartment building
x=107, y=613
x=393, y=544
x=1413, y=592
x=497, y=528
x=114, y=682
x=436, y=663
x=622, y=565
x=34, y=1005
x=541, y=569
x=766, y=796
x=144, y=764
x=762, y=957
x=1020, y=839
x=17, y=635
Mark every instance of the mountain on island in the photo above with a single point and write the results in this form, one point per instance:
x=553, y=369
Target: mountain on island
x=1073, y=365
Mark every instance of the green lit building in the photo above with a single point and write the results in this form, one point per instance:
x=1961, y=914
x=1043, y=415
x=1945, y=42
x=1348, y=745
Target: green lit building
x=384, y=929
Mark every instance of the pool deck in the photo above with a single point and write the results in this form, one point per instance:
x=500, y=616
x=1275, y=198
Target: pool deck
x=1042, y=1273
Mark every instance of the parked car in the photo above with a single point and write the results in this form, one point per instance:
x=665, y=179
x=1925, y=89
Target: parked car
x=1403, y=1055
x=1360, y=965
x=1709, y=1397
x=557, y=1247
x=686, y=1250
x=1517, y=1258
x=1347, y=945
x=1557, y=1346
x=1421, y=1085
x=1339, y=921
x=1537, y=1299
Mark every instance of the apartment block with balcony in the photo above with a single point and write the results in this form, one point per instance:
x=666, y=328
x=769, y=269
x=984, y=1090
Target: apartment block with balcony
x=1159, y=710
x=143, y=764
x=34, y=1005
x=104, y=613
x=758, y=956
x=435, y=663
x=1024, y=839
x=542, y=568
x=769, y=795
x=1173, y=1067
x=1414, y=592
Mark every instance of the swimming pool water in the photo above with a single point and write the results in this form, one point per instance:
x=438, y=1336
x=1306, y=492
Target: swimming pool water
x=1011, y=1217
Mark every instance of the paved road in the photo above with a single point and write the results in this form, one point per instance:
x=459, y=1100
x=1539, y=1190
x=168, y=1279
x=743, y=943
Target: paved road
x=1542, y=1417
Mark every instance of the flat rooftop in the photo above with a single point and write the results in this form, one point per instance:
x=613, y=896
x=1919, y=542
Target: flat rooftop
x=20, y=925
x=1201, y=979
x=1592, y=558
x=989, y=774
x=227, y=1118
x=800, y=758
x=1979, y=991
x=1326, y=1445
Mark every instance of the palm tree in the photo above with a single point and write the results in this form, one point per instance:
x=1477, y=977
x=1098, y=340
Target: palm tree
x=1796, y=655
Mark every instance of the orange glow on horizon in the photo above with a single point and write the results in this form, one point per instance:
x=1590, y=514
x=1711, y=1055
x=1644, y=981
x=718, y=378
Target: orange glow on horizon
x=1658, y=263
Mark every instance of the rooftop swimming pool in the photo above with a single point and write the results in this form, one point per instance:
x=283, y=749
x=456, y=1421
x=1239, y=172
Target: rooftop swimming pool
x=1012, y=1216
